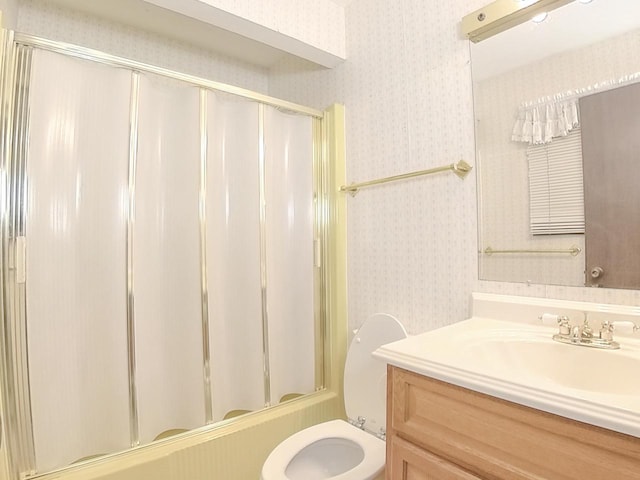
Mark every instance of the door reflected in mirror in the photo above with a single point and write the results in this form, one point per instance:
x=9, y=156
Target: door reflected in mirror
x=533, y=85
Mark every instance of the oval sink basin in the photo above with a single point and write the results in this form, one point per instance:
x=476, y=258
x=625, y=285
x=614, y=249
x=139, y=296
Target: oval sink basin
x=582, y=368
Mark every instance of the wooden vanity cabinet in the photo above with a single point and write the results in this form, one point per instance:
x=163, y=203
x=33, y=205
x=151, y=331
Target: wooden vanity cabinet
x=439, y=431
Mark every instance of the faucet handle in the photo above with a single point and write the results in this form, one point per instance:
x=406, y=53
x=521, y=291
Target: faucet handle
x=563, y=322
x=606, y=331
x=626, y=326
x=564, y=326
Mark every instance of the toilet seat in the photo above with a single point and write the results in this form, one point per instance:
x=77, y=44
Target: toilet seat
x=373, y=448
x=365, y=396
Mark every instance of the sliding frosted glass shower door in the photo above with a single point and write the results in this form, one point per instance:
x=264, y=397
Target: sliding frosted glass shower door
x=289, y=254
x=233, y=254
x=168, y=232
x=166, y=259
x=77, y=172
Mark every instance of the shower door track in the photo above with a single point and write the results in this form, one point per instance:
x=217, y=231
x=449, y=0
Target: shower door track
x=101, y=57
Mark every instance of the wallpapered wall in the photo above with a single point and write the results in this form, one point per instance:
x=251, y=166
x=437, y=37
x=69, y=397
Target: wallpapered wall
x=407, y=89
x=412, y=246
x=40, y=18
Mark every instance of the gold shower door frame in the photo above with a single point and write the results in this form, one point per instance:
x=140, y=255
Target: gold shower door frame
x=15, y=414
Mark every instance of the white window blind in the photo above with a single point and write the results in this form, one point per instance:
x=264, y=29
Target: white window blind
x=556, y=191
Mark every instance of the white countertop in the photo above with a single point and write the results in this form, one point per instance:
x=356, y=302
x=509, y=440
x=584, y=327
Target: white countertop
x=519, y=362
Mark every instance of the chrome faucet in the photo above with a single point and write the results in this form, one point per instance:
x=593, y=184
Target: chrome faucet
x=583, y=335
x=564, y=327
x=587, y=331
x=606, y=331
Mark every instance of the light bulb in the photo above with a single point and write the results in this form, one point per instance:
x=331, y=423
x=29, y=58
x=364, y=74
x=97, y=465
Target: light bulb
x=539, y=18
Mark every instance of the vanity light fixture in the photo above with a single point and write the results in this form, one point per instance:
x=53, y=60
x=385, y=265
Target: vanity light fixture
x=501, y=15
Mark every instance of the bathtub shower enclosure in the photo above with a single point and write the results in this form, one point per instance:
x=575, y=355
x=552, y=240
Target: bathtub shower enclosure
x=162, y=240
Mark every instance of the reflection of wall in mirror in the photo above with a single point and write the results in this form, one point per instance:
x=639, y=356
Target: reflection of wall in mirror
x=504, y=214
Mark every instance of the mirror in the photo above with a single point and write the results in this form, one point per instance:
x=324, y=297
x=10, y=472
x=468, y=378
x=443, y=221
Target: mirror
x=580, y=49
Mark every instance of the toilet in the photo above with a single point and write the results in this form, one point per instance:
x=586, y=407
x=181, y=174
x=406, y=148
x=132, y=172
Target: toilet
x=341, y=450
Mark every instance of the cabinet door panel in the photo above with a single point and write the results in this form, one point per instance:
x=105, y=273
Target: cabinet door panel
x=409, y=462
x=497, y=439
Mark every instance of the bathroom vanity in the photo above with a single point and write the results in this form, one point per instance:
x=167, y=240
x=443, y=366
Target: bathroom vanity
x=439, y=430
x=471, y=401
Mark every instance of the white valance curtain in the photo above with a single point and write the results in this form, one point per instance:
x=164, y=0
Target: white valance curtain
x=540, y=121
x=539, y=124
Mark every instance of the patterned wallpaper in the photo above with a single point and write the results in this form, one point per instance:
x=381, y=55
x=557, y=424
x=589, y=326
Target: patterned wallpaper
x=41, y=18
x=407, y=89
x=9, y=9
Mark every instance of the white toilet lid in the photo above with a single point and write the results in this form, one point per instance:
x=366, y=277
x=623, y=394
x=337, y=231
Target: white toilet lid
x=365, y=377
